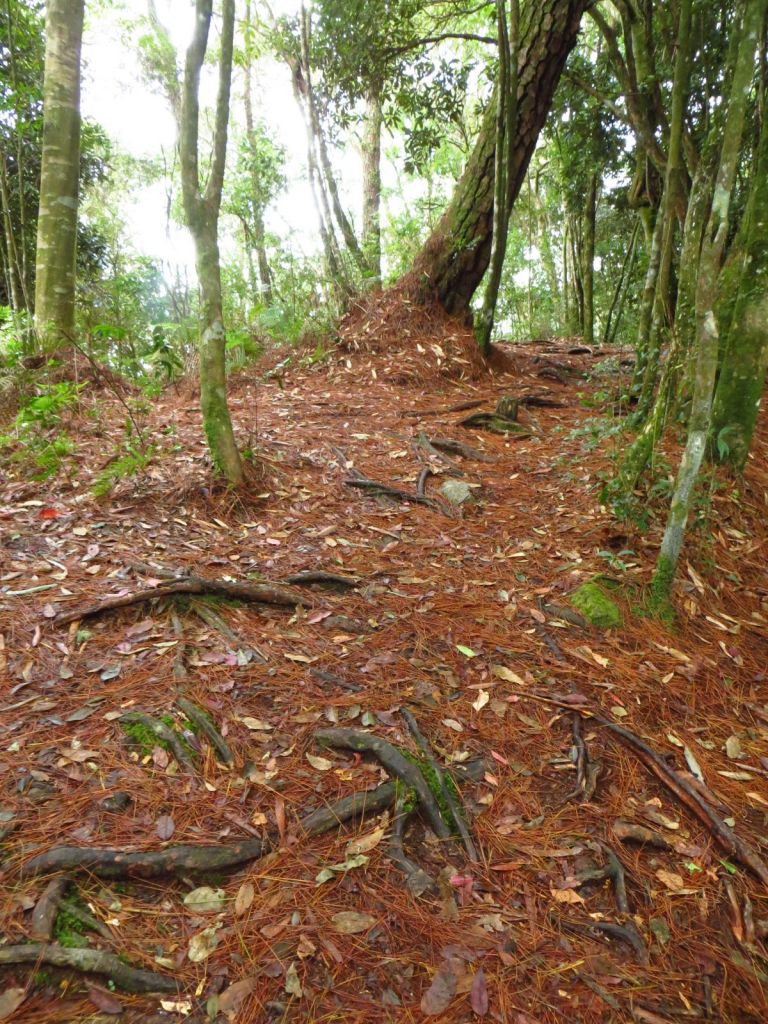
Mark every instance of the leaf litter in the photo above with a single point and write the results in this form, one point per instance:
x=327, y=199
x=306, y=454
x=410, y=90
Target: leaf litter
x=447, y=604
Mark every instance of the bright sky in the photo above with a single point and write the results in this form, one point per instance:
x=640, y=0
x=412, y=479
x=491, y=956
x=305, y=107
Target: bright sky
x=138, y=118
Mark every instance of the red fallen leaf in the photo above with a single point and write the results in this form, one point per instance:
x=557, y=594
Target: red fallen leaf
x=48, y=513
x=499, y=758
x=105, y=1001
x=574, y=698
x=165, y=826
x=440, y=993
x=280, y=817
x=478, y=994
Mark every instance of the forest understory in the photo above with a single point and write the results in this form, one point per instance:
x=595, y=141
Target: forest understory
x=611, y=768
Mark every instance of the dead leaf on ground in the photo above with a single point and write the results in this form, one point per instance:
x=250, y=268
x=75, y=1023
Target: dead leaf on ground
x=351, y=922
x=10, y=1000
x=440, y=993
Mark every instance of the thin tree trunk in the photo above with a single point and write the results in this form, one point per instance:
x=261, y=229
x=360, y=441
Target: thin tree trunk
x=14, y=270
x=707, y=338
x=588, y=263
x=619, y=295
x=259, y=234
x=59, y=176
x=202, y=215
x=371, y=153
x=454, y=258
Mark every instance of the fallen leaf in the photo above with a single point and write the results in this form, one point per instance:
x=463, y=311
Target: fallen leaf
x=203, y=944
x=350, y=922
x=244, y=898
x=292, y=983
x=466, y=651
x=733, y=748
x=233, y=997
x=440, y=993
x=618, y=711
x=256, y=724
x=205, y=900
x=566, y=896
x=104, y=1001
x=482, y=699
x=693, y=764
x=507, y=674
x=478, y=994
x=737, y=776
x=671, y=880
x=320, y=764
x=364, y=844
x=453, y=724
x=327, y=873
x=165, y=826
x=10, y=1000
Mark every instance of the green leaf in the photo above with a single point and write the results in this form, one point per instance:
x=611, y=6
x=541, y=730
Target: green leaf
x=466, y=651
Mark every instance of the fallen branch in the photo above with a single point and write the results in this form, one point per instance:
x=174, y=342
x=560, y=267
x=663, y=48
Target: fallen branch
x=319, y=576
x=199, y=718
x=90, y=961
x=260, y=593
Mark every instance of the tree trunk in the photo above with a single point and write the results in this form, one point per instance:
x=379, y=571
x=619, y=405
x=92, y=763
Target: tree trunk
x=59, y=176
x=745, y=357
x=371, y=153
x=454, y=258
x=707, y=338
x=202, y=215
x=588, y=264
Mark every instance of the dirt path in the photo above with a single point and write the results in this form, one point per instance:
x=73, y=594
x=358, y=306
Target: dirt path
x=452, y=618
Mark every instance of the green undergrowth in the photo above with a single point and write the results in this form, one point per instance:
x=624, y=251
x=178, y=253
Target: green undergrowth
x=69, y=931
x=145, y=740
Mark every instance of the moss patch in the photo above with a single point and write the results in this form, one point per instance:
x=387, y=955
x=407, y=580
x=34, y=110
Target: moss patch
x=591, y=600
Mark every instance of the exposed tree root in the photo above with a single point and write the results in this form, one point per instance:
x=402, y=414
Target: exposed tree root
x=199, y=718
x=586, y=771
x=46, y=909
x=310, y=577
x=421, y=486
x=422, y=442
x=417, y=881
x=395, y=763
x=180, y=860
x=163, y=733
x=447, y=444
x=260, y=593
x=475, y=403
x=457, y=812
x=496, y=424
x=90, y=961
x=391, y=492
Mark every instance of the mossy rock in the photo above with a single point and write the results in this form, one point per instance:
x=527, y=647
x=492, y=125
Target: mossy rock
x=591, y=601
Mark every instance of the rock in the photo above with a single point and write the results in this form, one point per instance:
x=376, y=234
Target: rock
x=456, y=492
x=591, y=600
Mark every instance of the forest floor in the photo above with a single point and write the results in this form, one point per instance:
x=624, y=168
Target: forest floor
x=458, y=615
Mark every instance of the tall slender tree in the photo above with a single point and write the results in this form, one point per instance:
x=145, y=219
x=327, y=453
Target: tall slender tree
x=57, y=218
x=201, y=209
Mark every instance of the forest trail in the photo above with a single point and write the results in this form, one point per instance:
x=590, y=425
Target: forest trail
x=458, y=615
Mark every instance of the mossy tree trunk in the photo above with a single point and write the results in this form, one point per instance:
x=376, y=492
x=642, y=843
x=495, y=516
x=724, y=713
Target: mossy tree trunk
x=745, y=354
x=707, y=335
x=201, y=208
x=454, y=258
x=59, y=176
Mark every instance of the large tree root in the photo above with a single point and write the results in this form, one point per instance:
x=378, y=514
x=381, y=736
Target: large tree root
x=46, y=909
x=260, y=593
x=90, y=961
x=163, y=733
x=395, y=763
x=361, y=483
x=199, y=718
x=180, y=860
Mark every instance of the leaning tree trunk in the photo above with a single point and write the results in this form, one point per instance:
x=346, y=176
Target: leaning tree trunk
x=454, y=258
x=371, y=153
x=202, y=215
x=59, y=176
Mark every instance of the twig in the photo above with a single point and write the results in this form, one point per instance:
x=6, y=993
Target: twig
x=456, y=812
x=90, y=961
x=204, y=723
x=629, y=831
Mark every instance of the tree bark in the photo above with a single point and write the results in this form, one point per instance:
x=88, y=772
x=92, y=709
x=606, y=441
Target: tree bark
x=707, y=337
x=59, y=177
x=202, y=214
x=454, y=258
x=371, y=153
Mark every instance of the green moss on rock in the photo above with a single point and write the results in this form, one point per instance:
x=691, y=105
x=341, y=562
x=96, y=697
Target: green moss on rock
x=591, y=601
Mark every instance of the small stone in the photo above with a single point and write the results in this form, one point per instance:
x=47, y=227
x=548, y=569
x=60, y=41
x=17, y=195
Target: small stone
x=456, y=492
